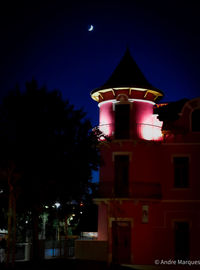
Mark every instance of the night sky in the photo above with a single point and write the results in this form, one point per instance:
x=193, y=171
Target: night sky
x=50, y=42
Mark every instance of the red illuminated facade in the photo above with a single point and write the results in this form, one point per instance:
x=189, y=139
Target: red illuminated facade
x=149, y=195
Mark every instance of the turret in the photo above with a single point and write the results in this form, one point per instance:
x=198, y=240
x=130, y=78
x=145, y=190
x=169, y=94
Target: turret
x=126, y=103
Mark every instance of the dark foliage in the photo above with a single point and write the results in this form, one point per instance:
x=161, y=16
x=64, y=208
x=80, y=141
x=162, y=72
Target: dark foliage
x=171, y=111
x=48, y=146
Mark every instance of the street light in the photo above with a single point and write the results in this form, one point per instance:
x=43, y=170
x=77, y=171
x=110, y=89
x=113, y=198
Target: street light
x=57, y=204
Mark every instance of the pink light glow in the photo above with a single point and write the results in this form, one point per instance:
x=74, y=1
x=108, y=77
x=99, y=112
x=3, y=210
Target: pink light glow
x=148, y=126
x=106, y=121
x=150, y=129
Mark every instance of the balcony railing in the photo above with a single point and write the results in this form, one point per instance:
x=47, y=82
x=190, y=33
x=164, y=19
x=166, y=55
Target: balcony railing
x=134, y=190
x=143, y=131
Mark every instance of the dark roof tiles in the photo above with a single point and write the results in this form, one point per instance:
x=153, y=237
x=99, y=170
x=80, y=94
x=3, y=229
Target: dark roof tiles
x=127, y=74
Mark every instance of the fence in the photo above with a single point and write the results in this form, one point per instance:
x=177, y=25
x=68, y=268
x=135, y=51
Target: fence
x=59, y=248
x=48, y=249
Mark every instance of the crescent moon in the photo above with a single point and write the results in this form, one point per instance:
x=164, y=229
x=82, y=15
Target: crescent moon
x=91, y=28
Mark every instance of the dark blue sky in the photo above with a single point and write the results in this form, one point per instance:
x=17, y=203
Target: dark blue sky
x=48, y=40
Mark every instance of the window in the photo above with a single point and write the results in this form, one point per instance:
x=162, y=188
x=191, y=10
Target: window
x=182, y=240
x=122, y=121
x=181, y=172
x=145, y=214
x=121, y=175
x=196, y=120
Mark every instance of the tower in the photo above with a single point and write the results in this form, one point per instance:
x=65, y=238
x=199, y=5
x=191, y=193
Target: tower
x=126, y=114
x=126, y=103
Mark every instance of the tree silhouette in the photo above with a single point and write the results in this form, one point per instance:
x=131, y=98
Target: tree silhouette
x=48, y=151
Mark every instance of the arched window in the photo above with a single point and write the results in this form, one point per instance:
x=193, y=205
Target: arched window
x=196, y=120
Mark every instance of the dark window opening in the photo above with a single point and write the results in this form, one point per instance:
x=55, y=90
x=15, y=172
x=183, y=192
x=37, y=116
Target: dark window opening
x=182, y=240
x=181, y=172
x=122, y=121
x=121, y=175
x=196, y=120
x=121, y=242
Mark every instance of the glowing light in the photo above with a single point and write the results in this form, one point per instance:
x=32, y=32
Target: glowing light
x=90, y=234
x=57, y=204
x=3, y=231
x=141, y=100
x=130, y=100
x=148, y=126
x=95, y=95
x=105, y=129
x=150, y=129
x=46, y=206
x=106, y=119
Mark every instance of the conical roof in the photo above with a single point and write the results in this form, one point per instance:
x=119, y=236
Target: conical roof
x=127, y=74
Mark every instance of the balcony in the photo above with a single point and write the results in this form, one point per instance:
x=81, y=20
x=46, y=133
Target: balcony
x=144, y=131
x=135, y=190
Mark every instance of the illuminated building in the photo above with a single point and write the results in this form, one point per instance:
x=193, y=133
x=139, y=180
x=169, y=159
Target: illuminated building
x=149, y=195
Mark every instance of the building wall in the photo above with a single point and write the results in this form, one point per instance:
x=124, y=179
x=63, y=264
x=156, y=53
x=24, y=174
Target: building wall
x=155, y=239
x=91, y=250
x=151, y=186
